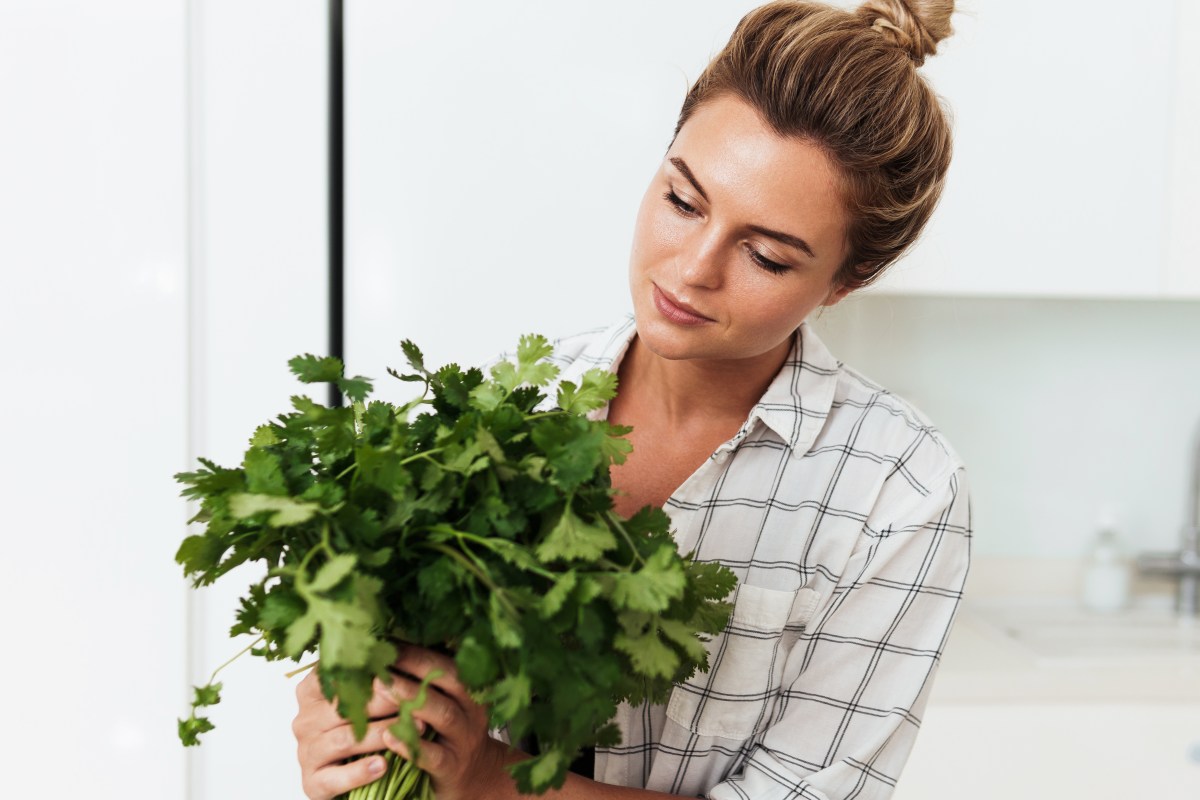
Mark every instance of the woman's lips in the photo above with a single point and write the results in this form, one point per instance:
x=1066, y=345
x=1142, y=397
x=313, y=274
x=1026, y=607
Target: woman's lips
x=679, y=313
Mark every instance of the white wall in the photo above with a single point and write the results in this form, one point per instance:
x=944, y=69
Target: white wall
x=93, y=324
x=1060, y=408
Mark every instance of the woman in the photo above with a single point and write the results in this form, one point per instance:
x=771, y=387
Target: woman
x=807, y=158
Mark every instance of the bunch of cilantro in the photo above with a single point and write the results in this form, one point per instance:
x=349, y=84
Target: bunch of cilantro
x=474, y=519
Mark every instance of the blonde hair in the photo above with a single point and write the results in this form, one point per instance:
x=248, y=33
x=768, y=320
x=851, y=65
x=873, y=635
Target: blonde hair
x=847, y=81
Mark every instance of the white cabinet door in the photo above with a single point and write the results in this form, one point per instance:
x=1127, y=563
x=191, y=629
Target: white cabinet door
x=1063, y=119
x=1183, y=244
x=93, y=322
x=260, y=122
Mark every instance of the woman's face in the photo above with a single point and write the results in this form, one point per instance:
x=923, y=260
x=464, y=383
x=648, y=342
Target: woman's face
x=737, y=239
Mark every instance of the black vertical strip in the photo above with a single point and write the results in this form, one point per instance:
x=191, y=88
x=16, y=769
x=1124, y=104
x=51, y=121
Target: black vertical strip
x=337, y=286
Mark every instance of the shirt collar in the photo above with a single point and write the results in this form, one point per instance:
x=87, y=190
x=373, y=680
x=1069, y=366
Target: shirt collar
x=796, y=402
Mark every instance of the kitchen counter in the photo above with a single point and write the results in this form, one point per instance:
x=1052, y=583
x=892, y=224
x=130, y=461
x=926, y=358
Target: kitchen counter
x=1044, y=651
x=1022, y=635
x=1038, y=698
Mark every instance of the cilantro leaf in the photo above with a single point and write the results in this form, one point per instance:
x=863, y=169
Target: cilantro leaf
x=200, y=555
x=287, y=511
x=332, y=573
x=504, y=627
x=316, y=369
x=509, y=696
x=684, y=635
x=489, y=396
x=356, y=388
x=264, y=473
x=652, y=588
x=573, y=539
x=264, y=436
x=554, y=599
x=208, y=695
x=413, y=355
x=597, y=387
x=647, y=653
x=280, y=609
x=191, y=728
x=476, y=663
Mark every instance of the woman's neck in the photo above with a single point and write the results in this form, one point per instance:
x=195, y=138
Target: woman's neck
x=683, y=392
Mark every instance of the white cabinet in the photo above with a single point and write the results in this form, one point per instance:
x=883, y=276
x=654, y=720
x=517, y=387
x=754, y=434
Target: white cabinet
x=1183, y=199
x=162, y=235
x=93, y=322
x=1077, y=153
x=259, y=192
x=1101, y=751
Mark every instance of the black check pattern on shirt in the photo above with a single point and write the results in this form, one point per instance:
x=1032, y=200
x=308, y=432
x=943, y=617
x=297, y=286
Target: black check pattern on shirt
x=845, y=515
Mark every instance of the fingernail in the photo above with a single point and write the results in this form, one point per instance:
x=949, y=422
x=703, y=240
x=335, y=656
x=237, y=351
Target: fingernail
x=376, y=766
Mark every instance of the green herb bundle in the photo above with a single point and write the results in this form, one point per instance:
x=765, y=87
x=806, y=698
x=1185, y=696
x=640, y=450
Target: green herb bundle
x=469, y=520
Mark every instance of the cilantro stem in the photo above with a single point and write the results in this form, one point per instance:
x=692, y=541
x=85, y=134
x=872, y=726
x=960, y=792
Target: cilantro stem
x=298, y=670
x=467, y=564
x=423, y=454
x=615, y=521
x=239, y=654
x=478, y=572
x=300, y=572
x=485, y=542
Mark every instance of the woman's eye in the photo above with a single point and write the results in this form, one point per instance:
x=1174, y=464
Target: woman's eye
x=680, y=205
x=773, y=267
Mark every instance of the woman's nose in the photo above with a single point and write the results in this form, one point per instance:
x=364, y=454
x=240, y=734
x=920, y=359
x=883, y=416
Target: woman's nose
x=700, y=262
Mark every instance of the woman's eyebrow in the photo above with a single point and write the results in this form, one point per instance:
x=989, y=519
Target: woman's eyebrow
x=682, y=166
x=786, y=238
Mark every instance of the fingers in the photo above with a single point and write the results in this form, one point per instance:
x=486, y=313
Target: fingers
x=316, y=714
x=337, y=745
x=331, y=781
x=472, y=767
x=420, y=663
x=324, y=741
x=432, y=756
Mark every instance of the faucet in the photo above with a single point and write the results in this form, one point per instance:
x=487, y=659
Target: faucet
x=1184, y=564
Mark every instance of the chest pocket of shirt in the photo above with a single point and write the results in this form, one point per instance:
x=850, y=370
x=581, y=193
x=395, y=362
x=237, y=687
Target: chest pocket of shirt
x=735, y=697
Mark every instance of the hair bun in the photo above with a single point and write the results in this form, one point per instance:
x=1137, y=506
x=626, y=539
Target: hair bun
x=915, y=26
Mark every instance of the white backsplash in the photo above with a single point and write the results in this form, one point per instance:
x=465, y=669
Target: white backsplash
x=1063, y=410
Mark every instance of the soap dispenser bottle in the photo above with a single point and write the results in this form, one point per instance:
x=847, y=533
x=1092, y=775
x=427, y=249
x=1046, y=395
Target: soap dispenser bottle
x=1106, y=574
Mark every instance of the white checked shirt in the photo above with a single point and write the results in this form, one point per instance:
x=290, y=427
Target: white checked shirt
x=845, y=516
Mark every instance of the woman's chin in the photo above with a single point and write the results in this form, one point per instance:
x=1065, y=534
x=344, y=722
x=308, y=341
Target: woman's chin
x=674, y=342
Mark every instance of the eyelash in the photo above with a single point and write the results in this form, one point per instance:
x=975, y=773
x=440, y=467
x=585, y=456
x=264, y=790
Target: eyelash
x=677, y=201
x=773, y=267
x=682, y=208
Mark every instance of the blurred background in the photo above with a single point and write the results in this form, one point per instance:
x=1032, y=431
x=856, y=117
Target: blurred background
x=166, y=243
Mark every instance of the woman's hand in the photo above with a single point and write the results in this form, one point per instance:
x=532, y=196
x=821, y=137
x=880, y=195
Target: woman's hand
x=324, y=741
x=463, y=760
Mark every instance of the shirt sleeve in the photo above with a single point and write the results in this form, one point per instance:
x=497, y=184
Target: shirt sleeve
x=856, y=682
